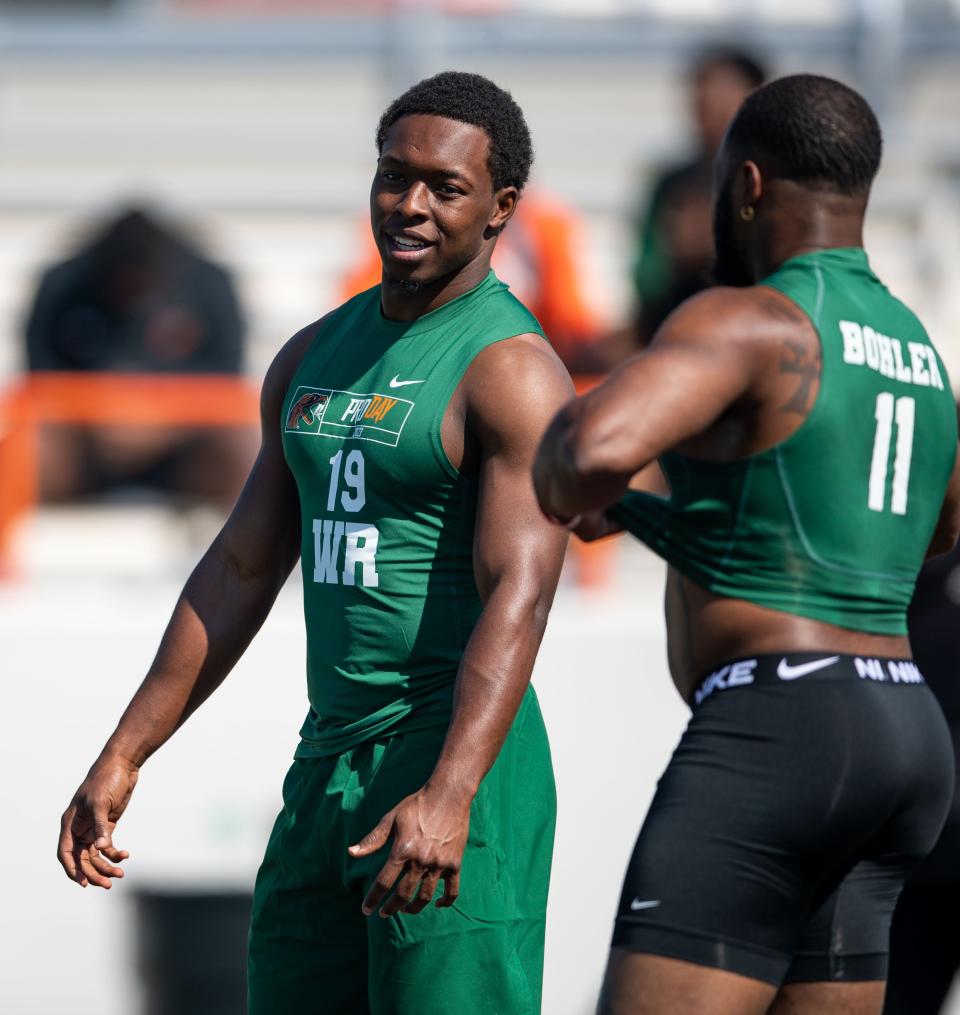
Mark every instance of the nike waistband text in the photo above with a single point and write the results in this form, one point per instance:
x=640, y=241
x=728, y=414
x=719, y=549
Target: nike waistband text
x=786, y=667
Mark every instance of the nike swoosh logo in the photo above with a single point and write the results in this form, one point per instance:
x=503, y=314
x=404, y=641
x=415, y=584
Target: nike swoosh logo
x=787, y=672
x=397, y=383
x=640, y=904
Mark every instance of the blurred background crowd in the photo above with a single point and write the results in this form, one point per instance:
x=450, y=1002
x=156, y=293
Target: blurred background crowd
x=182, y=186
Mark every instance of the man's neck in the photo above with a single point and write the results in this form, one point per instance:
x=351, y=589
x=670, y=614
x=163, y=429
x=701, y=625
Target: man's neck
x=403, y=302
x=800, y=221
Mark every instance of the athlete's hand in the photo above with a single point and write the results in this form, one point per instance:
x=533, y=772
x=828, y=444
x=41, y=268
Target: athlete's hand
x=86, y=850
x=429, y=830
x=596, y=525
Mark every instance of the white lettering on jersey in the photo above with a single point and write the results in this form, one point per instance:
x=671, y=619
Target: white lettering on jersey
x=326, y=549
x=355, y=409
x=871, y=345
x=362, y=543
x=935, y=379
x=886, y=356
x=918, y=366
x=863, y=346
x=852, y=342
x=903, y=372
x=360, y=551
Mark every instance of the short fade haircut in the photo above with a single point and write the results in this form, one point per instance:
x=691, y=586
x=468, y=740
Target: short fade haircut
x=813, y=130
x=738, y=60
x=474, y=99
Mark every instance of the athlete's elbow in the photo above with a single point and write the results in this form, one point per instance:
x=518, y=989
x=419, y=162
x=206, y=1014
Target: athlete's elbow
x=522, y=603
x=601, y=458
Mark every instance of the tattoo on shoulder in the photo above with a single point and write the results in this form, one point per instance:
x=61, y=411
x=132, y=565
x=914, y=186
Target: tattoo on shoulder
x=804, y=363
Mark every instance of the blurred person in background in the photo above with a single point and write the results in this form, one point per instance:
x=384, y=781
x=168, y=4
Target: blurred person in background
x=673, y=253
x=396, y=466
x=543, y=257
x=138, y=299
x=924, y=939
x=807, y=427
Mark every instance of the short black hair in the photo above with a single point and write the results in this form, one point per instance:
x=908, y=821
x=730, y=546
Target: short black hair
x=813, y=130
x=743, y=63
x=471, y=98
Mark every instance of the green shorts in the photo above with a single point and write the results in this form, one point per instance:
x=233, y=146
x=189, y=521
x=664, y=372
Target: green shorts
x=313, y=952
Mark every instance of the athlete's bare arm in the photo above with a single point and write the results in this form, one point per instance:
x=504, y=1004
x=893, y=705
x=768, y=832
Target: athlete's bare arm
x=696, y=387
x=222, y=606
x=508, y=396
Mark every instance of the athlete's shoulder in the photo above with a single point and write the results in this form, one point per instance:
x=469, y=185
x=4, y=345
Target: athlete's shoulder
x=520, y=370
x=747, y=316
x=287, y=361
x=511, y=313
x=285, y=364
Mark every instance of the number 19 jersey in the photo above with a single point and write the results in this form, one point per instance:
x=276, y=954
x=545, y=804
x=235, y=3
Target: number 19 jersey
x=834, y=522
x=387, y=521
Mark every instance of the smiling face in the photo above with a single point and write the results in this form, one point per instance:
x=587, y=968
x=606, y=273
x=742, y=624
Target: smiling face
x=433, y=208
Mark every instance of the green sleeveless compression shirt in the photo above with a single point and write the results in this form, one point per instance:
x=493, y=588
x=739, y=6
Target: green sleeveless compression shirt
x=387, y=541
x=834, y=522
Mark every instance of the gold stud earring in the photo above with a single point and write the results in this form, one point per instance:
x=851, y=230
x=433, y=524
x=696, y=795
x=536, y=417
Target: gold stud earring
x=747, y=212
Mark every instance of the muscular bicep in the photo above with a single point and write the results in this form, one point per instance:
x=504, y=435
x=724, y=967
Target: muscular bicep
x=516, y=388
x=699, y=366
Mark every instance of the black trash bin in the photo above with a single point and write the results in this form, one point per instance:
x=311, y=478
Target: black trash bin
x=192, y=951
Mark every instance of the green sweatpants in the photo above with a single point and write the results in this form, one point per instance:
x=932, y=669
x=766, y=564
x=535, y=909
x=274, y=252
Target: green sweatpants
x=313, y=952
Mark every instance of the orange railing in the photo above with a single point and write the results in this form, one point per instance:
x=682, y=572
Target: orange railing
x=139, y=400
x=92, y=399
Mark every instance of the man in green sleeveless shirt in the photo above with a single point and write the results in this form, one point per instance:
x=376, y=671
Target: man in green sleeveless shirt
x=408, y=869
x=807, y=430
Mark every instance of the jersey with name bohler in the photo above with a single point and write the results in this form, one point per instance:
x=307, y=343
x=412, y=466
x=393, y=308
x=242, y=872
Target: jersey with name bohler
x=387, y=544
x=834, y=522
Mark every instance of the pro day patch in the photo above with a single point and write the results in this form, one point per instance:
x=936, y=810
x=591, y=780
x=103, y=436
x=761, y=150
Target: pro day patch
x=348, y=415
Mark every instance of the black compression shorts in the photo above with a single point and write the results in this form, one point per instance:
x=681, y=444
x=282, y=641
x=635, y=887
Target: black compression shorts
x=803, y=790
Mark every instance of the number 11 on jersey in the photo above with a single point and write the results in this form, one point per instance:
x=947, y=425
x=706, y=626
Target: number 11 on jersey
x=888, y=410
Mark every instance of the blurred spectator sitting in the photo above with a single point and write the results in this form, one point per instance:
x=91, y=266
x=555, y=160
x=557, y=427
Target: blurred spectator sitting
x=674, y=242
x=138, y=299
x=542, y=257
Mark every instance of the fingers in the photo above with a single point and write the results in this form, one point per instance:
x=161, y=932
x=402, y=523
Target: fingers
x=83, y=858
x=384, y=882
x=65, y=849
x=374, y=840
x=80, y=858
x=103, y=836
x=405, y=890
x=413, y=891
x=451, y=889
x=102, y=827
x=115, y=855
x=428, y=888
x=103, y=866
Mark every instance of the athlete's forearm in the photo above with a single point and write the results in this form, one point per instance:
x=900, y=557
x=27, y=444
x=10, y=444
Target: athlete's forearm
x=492, y=681
x=215, y=619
